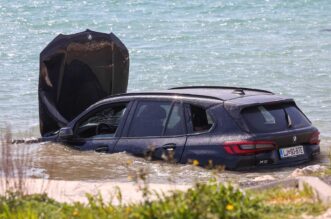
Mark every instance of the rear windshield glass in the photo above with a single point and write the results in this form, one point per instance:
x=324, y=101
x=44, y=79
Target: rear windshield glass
x=263, y=119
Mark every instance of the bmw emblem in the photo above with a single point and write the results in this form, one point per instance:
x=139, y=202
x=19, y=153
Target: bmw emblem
x=294, y=139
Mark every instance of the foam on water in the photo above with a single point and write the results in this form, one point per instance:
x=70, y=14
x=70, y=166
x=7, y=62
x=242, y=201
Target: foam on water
x=274, y=45
x=54, y=161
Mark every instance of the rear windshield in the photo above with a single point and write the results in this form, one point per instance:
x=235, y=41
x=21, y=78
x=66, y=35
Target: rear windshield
x=273, y=118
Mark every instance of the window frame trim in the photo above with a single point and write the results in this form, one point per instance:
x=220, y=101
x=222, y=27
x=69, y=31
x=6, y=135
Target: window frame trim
x=128, y=124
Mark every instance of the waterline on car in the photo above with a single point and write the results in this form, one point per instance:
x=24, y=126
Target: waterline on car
x=56, y=161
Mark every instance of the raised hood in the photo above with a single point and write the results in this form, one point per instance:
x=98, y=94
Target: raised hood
x=76, y=71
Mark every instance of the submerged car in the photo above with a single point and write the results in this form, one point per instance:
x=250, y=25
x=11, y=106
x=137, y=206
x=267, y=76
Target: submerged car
x=234, y=127
x=82, y=103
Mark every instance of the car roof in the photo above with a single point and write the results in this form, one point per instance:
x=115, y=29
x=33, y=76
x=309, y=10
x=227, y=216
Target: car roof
x=211, y=92
x=233, y=95
x=233, y=98
x=222, y=93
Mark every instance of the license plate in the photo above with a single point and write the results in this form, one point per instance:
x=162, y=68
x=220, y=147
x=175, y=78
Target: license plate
x=291, y=151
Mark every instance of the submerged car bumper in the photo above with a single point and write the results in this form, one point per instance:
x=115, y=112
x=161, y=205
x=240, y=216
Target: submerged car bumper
x=272, y=159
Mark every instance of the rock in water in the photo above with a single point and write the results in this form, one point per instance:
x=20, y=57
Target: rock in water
x=263, y=178
x=308, y=170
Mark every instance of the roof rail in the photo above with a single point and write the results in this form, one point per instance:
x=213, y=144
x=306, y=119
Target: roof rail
x=222, y=87
x=163, y=94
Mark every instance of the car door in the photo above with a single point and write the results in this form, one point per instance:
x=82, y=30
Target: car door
x=155, y=128
x=100, y=128
x=200, y=144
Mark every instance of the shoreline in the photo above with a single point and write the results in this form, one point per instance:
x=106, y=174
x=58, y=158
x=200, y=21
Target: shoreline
x=76, y=191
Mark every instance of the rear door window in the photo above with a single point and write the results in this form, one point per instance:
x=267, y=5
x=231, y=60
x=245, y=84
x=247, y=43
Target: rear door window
x=200, y=120
x=273, y=118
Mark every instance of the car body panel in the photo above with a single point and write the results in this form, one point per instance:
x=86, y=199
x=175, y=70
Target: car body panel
x=162, y=148
x=76, y=71
x=207, y=146
x=159, y=147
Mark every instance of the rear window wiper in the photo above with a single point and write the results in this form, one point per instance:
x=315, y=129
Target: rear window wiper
x=288, y=119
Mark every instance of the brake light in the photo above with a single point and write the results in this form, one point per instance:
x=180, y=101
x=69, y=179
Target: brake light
x=248, y=147
x=315, y=138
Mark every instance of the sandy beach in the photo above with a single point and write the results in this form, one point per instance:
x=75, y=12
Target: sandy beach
x=75, y=191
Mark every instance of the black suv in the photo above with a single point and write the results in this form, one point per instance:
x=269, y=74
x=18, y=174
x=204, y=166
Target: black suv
x=230, y=126
x=235, y=127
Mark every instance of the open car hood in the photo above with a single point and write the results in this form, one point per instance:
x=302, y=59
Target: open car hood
x=76, y=71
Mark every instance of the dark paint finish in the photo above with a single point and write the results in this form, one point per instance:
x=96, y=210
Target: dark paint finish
x=76, y=71
x=208, y=146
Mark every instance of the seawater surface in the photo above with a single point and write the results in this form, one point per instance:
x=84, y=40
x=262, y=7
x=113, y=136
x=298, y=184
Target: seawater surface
x=282, y=46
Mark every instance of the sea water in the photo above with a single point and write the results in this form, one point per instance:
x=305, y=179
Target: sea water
x=281, y=46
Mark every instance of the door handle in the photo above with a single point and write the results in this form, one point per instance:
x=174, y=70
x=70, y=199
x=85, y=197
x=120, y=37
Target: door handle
x=169, y=147
x=102, y=149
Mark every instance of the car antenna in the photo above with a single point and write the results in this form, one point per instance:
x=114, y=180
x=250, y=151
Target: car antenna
x=239, y=91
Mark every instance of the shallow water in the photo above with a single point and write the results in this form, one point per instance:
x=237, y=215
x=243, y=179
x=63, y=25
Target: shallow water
x=282, y=46
x=55, y=161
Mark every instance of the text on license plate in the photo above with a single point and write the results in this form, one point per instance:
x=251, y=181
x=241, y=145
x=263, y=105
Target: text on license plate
x=291, y=152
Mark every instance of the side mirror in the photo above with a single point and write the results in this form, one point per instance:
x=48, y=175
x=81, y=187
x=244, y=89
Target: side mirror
x=66, y=132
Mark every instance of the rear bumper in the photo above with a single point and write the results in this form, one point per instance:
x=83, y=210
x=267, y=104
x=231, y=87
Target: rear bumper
x=271, y=159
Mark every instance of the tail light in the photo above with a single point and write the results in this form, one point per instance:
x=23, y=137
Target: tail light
x=315, y=138
x=248, y=147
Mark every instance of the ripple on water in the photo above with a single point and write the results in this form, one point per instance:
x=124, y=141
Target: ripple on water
x=274, y=45
x=55, y=161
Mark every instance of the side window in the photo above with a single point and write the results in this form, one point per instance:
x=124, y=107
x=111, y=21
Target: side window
x=150, y=118
x=102, y=123
x=200, y=119
x=176, y=121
